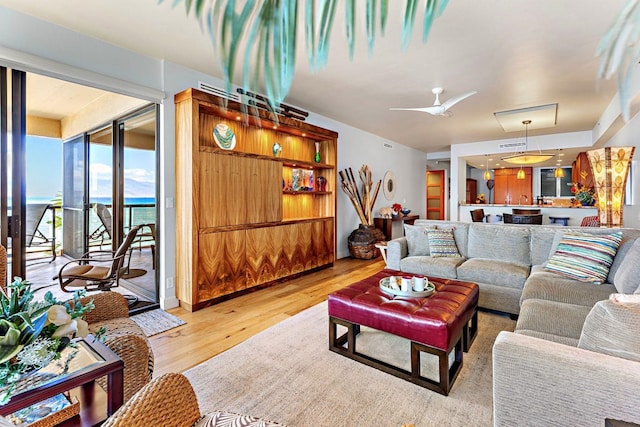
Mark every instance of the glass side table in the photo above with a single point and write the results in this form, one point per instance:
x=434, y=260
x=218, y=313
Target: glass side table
x=92, y=361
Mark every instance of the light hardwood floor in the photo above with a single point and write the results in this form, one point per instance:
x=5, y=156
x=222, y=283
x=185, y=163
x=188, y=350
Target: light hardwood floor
x=214, y=329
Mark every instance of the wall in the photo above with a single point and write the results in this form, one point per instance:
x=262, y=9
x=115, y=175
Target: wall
x=356, y=148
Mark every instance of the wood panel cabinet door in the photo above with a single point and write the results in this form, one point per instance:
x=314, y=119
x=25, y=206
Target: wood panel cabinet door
x=472, y=190
x=322, y=243
x=501, y=188
x=264, y=253
x=509, y=189
x=221, y=264
x=264, y=190
x=522, y=190
x=295, y=247
x=237, y=190
x=221, y=190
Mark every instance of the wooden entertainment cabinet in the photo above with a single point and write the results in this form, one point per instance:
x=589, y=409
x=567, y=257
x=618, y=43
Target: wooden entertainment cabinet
x=239, y=222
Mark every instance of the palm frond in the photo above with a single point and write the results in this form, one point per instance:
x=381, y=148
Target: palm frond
x=263, y=35
x=619, y=50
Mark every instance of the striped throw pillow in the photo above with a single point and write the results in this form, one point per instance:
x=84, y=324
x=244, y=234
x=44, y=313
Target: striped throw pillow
x=585, y=257
x=442, y=244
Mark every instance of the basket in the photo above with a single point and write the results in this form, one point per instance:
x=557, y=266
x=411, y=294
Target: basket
x=362, y=242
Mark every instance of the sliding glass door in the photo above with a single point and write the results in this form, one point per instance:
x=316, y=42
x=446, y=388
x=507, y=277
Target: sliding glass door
x=12, y=167
x=74, y=197
x=109, y=187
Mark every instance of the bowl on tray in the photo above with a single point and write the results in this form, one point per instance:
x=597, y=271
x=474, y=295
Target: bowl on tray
x=405, y=212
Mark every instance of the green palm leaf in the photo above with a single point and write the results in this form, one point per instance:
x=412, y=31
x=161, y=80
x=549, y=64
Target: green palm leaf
x=266, y=31
x=619, y=50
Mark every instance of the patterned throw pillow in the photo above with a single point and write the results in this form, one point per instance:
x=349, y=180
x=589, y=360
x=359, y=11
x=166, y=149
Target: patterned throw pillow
x=442, y=243
x=585, y=257
x=224, y=418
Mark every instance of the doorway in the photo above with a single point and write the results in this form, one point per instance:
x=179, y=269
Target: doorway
x=435, y=194
x=92, y=130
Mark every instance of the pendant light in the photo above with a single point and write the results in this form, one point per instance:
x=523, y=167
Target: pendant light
x=487, y=174
x=524, y=158
x=520, y=174
x=559, y=172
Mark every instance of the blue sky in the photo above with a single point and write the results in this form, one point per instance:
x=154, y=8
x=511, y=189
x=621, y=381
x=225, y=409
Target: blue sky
x=44, y=170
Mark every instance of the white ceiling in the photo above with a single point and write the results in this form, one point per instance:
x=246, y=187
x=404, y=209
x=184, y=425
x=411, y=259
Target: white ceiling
x=515, y=53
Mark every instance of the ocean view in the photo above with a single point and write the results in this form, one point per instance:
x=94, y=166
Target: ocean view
x=134, y=214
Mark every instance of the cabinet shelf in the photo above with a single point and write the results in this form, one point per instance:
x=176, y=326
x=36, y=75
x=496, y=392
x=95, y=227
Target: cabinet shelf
x=299, y=193
x=285, y=162
x=305, y=165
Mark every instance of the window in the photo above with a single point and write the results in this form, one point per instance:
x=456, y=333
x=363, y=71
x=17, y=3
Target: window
x=550, y=186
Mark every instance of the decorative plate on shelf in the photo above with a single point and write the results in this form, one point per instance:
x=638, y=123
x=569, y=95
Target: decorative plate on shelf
x=224, y=136
x=391, y=285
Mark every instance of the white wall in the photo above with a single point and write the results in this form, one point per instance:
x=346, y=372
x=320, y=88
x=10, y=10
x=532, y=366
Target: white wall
x=356, y=148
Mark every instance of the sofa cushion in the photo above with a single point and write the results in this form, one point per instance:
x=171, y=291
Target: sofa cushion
x=552, y=318
x=430, y=266
x=442, y=244
x=545, y=285
x=614, y=329
x=542, y=239
x=460, y=231
x=506, y=243
x=627, y=278
x=417, y=239
x=495, y=272
x=584, y=256
x=573, y=342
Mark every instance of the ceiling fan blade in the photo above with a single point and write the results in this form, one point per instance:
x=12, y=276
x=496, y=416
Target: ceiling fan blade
x=435, y=110
x=453, y=101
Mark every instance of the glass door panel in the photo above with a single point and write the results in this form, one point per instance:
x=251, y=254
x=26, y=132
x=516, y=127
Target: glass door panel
x=137, y=136
x=5, y=165
x=101, y=235
x=74, y=208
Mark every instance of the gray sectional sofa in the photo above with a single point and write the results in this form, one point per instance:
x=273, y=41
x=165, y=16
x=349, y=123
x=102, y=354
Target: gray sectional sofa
x=574, y=358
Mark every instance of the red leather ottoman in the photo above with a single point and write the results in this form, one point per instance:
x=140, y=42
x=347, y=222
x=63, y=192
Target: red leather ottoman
x=445, y=321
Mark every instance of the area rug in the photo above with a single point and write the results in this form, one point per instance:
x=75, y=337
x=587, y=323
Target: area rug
x=287, y=374
x=156, y=321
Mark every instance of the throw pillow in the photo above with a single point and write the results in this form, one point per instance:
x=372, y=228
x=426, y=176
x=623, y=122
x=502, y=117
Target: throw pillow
x=613, y=328
x=585, y=257
x=627, y=278
x=417, y=241
x=442, y=243
x=224, y=418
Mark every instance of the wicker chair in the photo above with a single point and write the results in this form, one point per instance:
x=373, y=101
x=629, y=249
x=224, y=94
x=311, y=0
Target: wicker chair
x=170, y=400
x=590, y=221
x=477, y=215
x=522, y=219
x=124, y=337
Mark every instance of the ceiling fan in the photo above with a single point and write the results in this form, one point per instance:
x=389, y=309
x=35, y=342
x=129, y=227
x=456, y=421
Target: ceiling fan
x=439, y=109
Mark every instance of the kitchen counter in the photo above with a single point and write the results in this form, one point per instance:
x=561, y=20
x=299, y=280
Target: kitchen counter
x=574, y=215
